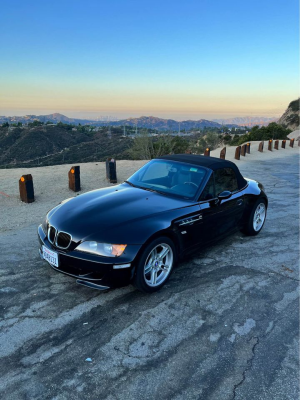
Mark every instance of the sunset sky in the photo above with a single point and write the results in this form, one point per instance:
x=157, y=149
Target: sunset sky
x=168, y=58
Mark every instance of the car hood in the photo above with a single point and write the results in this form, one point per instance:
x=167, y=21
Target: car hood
x=104, y=210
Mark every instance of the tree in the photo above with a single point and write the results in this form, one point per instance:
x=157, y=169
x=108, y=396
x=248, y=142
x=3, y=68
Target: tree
x=142, y=148
x=212, y=140
x=199, y=146
x=179, y=145
x=35, y=123
x=5, y=125
x=227, y=139
x=146, y=147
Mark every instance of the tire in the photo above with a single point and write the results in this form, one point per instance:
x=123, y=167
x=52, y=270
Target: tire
x=151, y=269
x=257, y=218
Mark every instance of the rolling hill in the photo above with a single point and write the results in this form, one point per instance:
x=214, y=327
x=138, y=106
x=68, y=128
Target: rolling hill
x=50, y=145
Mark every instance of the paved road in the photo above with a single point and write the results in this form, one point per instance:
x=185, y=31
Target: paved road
x=225, y=327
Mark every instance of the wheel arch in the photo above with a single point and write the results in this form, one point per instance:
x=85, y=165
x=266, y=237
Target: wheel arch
x=169, y=233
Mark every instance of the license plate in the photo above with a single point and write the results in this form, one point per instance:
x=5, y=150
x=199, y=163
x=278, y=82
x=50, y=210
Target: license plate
x=50, y=256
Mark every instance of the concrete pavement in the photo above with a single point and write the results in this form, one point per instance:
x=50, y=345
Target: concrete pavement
x=226, y=326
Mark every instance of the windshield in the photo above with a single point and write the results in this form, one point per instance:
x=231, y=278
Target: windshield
x=169, y=177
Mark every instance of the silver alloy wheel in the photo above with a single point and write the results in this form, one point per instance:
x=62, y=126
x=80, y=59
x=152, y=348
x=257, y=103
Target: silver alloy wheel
x=259, y=217
x=158, y=265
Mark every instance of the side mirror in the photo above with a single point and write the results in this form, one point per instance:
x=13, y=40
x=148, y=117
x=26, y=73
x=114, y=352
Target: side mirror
x=224, y=195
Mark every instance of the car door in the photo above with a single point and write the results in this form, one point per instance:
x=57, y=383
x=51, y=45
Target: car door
x=229, y=210
x=209, y=209
x=188, y=226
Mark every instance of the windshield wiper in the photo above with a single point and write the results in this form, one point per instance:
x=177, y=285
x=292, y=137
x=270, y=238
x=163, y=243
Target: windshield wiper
x=144, y=188
x=153, y=190
x=131, y=184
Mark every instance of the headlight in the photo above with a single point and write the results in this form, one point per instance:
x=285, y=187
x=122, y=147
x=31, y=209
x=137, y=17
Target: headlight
x=102, y=249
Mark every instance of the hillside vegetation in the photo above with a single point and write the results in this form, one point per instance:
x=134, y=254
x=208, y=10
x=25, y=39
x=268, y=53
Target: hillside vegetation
x=40, y=144
x=272, y=131
x=49, y=145
x=290, y=118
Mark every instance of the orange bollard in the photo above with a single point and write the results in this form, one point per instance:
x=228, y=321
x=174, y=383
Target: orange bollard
x=74, y=179
x=292, y=142
x=26, y=188
x=237, y=155
x=270, y=145
x=261, y=147
x=248, y=148
x=223, y=153
x=283, y=144
x=207, y=152
x=111, y=170
x=243, y=150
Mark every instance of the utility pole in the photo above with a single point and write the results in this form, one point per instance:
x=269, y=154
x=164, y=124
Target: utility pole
x=136, y=129
x=109, y=131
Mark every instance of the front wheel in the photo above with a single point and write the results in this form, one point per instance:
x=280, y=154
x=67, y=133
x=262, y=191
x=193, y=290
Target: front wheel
x=155, y=265
x=257, y=218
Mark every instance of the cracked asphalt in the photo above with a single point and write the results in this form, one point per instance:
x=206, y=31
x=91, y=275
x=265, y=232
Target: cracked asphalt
x=226, y=326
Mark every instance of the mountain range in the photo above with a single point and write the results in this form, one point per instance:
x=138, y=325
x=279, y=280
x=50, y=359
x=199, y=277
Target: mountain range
x=247, y=121
x=162, y=124
x=142, y=122
x=54, y=118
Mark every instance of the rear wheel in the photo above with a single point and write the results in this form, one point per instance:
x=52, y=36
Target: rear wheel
x=257, y=218
x=155, y=265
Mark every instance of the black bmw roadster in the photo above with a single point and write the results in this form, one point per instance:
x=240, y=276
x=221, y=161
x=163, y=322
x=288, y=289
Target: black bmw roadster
x=135, y=232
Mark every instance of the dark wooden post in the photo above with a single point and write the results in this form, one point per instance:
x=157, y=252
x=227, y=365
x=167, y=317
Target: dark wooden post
x=270, y=145
x=292, y=142
x=276, y=144
x=223, y=153
x=283, y=144
x=243, y=150
x=26, y=188
x=111, y=170
x=248, y=148
x=261, y=147
x=207, y=152
x=237, y=155
x=299, y=142
x=74, y=179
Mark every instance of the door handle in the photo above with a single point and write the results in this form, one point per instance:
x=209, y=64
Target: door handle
x=240, y=202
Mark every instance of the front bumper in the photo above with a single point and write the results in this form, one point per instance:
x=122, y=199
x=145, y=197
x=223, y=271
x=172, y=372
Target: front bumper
x=91, y=270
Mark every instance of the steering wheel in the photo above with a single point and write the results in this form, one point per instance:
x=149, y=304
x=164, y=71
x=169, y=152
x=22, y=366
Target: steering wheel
x=191, y=183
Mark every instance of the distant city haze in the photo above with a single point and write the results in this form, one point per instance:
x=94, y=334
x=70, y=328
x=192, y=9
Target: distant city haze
x=109, y=116
x=170, y=59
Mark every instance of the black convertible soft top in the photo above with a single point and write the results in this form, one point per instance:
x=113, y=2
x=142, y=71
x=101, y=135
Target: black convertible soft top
x=208, y=162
